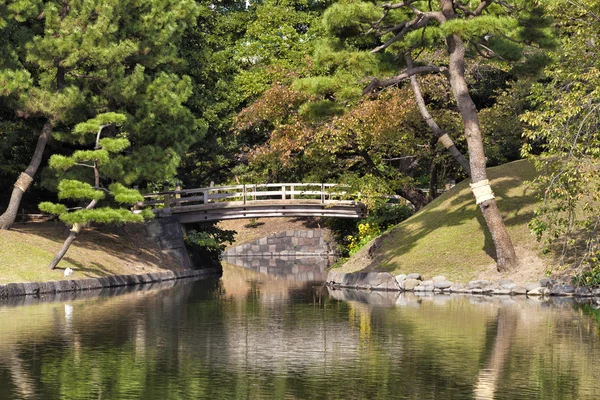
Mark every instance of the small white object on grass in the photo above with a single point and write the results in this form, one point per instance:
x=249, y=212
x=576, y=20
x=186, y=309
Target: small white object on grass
x=68, y=271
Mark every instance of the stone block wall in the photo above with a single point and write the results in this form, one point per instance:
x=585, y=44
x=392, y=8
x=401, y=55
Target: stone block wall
x=168, y=233
x=287, y=243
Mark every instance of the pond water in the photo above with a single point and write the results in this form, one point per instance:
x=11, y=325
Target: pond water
x=255, y=336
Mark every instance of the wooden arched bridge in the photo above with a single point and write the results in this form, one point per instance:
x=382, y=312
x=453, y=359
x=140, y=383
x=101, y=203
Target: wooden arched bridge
x=256, y=201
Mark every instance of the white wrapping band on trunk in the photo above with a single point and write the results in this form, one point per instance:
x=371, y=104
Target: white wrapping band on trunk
x=482, y=191
x=23, y=182
x=446, y=140
x=76, y=228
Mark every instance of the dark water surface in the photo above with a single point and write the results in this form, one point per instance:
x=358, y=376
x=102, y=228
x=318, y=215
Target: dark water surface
x=254, y=336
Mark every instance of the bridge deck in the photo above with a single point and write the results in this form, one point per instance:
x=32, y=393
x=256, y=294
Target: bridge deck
x=265, y=209
x=256, y=201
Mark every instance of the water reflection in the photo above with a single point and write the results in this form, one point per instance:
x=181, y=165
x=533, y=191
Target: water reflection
x=251, y=335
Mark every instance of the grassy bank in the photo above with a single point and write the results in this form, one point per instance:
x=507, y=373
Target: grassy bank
x=448, y=237
x=26, y=250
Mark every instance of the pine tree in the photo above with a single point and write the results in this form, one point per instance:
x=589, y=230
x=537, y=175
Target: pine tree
x=79, y=190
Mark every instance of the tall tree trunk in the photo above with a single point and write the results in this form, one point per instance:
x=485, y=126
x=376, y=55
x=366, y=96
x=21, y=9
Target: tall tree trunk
x=506, y=257
x=25, y=179
x=439, y=133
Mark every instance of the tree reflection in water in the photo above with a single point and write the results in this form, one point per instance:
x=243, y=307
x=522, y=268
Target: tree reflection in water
x=251, y=335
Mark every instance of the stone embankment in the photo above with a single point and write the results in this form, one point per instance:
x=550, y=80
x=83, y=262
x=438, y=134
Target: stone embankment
x=37, y=288
x=439, y=284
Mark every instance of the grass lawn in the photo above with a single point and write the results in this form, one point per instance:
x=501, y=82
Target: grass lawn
x=448, y=237
x=26, y=251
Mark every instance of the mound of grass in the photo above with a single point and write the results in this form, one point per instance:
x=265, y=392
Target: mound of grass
x=449, y=237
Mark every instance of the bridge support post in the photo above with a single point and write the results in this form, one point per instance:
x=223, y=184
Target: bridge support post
x=177, y=195
x=167, y=195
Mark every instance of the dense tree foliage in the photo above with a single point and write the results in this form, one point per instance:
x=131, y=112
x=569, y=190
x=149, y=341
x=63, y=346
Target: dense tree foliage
x=564, y=122
x=79, y=59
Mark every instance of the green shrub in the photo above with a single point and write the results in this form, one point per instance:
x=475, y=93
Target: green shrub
x=590, y=276
x=352, y=235
x=207, y=244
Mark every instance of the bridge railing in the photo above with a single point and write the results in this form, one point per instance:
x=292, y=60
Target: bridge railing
x=323, y=192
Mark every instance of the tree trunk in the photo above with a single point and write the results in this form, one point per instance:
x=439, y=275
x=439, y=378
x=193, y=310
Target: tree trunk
x=416, y=197
x=66, y=244
x=506, y=257
x=442, y=136
x=25, y=179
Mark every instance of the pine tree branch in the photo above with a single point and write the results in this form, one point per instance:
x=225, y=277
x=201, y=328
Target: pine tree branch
x=418, y=22
x=394, y=29
x=482, y=6
x=389, y=6
x=407, y=73
x=474, y=13
x=84, y=165
x=375, y=26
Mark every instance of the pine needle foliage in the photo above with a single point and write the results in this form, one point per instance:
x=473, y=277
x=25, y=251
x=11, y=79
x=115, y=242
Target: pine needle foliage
x=95, y=160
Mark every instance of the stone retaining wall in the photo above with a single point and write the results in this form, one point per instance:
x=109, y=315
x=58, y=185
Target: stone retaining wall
x=439, y=284
x=37, y=288
x=289, y=243
x=363, y=280
x=168, y=233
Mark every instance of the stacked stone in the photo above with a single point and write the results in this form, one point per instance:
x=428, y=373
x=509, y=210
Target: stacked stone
x=288, y=243
x=439, y=284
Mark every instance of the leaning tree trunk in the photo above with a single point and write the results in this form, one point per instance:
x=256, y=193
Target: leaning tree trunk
x=439, y=133
x=25, y=179
x=506, y=257
x=66, y=244
x=415, y=196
